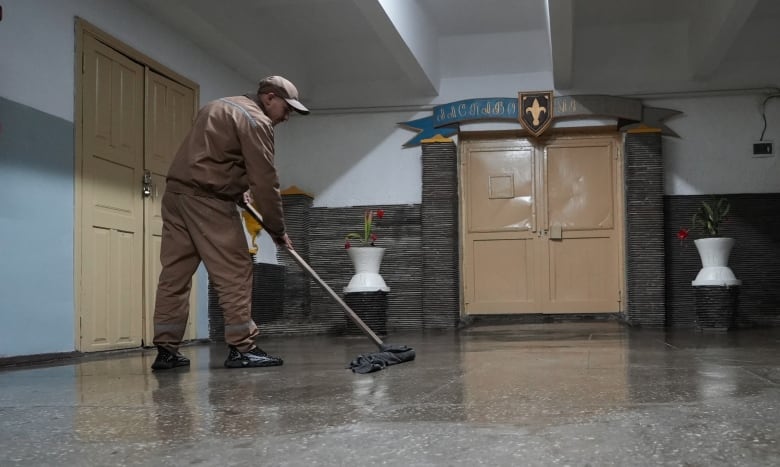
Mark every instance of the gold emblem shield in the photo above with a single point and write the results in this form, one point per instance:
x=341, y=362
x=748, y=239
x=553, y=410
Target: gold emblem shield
x=536, y=111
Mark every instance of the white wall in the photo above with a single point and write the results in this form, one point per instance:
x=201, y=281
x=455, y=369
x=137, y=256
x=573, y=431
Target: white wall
x=714, y=153
x=349, y=160
x=38, y=51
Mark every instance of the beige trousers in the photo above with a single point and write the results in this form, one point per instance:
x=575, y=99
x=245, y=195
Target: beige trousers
x=204, y=229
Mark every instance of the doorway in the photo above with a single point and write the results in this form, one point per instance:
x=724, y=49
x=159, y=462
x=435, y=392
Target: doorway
x=542, y=224
x=131, y=113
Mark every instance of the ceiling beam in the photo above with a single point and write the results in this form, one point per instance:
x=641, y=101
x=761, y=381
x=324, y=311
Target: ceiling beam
x=409, y=37
x=560, y=25
x=712, y=32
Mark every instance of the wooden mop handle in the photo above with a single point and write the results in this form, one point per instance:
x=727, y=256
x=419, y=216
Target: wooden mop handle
x=351, y=314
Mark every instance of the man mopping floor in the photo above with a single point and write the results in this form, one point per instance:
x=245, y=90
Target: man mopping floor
x=229, y=147
x=228, y=151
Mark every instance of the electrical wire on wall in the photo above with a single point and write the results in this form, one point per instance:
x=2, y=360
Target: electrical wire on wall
x=763, y=112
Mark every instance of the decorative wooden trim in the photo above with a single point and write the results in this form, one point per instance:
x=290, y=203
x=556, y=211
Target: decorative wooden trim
x=644, y=129
x=550, y=133
x=437, y=139
x=294, y=190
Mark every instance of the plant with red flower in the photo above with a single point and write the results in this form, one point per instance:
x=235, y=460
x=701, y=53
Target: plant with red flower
x=682, y=234
x=368, y=237
x=708, y=218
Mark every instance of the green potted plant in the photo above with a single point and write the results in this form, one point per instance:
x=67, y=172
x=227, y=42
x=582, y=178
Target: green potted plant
x=713, y=249
x=710, y=215
x=367, y=257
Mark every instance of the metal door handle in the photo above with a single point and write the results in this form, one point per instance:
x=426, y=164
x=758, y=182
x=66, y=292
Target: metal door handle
x=556, y=232
x=147, y=183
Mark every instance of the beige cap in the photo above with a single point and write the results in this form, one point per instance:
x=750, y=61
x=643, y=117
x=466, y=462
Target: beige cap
x=284, y=89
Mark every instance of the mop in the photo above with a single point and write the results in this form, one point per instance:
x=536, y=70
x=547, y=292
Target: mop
x=365, y=363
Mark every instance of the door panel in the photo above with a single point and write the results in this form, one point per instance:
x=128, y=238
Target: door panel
x=580, y=186
x=582, y=276
x=580, y=181
x=501, y=189
x=112, y=212
x=503, y=279
x=542, y=225
x=170, y=108
x=500, y=240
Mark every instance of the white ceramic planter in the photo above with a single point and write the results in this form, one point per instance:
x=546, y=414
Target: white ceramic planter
x=714, y=253
x=366, y=261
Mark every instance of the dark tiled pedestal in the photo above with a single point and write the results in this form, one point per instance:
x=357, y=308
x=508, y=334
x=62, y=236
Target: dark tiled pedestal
x=716, y=307
x=371, y=308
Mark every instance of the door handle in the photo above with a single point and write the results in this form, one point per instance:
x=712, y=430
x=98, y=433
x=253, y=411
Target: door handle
x=147, y=184
x=556, y=232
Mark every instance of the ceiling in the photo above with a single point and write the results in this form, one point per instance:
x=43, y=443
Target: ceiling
x=373, y=53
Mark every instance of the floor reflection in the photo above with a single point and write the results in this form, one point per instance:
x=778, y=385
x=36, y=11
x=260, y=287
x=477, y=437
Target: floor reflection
x=176, y=408
x=688, y=366
x=497, y=386
x=123, y=399
x=113, y=401
x=532, y=376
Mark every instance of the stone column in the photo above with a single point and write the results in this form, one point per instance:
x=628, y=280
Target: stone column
x=297, y=288
x=645, y=252
x=439, y=219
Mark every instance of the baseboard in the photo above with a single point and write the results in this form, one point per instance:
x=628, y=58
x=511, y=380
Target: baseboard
x=37, y=359
x=536, y=318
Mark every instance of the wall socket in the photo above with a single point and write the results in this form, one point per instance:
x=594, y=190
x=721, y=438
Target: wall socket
x=763, y=149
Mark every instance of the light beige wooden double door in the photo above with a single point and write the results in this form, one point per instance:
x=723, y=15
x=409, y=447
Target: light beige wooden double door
x=542, y=225
x=132, y=121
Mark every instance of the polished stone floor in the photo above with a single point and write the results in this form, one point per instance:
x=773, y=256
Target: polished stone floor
x=577, y=394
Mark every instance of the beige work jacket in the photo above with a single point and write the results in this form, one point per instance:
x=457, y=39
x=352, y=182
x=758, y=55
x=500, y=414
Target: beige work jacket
x=231, y=148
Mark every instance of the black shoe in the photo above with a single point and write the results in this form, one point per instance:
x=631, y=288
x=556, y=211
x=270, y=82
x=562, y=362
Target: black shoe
x=253, y=358
x=166, y=359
